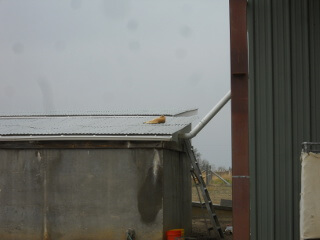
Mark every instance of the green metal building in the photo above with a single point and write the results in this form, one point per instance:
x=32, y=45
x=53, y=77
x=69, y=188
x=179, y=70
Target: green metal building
x=284, y=109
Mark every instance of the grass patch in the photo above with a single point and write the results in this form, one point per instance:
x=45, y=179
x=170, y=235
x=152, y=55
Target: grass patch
x=216, y=180
x=217, y=189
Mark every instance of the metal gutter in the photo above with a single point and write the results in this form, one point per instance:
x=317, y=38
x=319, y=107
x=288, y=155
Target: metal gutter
x=86, y=138
x=207, y=118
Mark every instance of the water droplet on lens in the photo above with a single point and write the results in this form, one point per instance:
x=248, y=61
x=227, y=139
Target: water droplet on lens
x=18, y=48
x=185, y=31
x=132, y=25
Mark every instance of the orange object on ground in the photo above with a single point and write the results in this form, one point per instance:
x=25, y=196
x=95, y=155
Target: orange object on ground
x=181, y=230
x=173, y=234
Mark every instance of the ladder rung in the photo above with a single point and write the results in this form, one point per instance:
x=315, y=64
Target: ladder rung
x=209, y=202
x=211, y=228
x=196, y=174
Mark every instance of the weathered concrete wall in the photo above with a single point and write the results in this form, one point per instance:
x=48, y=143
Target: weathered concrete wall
x=92, y=193
x=80, y=194
x=21, y=195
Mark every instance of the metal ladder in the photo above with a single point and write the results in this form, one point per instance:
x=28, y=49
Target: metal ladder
x=195, y=171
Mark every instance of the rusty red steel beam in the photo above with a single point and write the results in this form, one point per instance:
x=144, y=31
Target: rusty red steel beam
x=240, y=118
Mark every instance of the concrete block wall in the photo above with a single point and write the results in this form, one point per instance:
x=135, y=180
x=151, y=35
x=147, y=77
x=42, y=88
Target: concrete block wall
x=93, y=193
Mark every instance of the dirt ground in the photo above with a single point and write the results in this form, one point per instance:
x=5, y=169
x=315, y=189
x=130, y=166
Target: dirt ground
x=199, y=231
x=217, y=190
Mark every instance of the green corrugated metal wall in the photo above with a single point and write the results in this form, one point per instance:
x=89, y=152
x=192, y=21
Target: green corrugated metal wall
x=284, y=89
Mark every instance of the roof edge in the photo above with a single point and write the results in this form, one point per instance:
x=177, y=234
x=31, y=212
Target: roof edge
x=187, y=113
x=87, y=137
x=107, y=113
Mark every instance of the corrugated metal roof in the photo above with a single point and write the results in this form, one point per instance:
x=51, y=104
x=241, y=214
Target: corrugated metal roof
x=90, y=125
x=110, y=112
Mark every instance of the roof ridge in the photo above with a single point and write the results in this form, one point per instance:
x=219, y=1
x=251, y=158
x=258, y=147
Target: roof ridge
x=107, y=112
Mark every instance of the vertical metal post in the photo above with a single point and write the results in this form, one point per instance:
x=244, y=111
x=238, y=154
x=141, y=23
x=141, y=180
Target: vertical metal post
x=239, y=111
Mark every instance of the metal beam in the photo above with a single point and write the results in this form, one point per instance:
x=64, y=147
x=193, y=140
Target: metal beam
x=240, y=118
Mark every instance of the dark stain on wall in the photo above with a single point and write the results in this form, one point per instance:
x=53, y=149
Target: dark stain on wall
x=150, y=195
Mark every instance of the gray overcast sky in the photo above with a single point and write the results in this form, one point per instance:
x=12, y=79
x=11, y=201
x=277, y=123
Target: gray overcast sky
x=119, y=53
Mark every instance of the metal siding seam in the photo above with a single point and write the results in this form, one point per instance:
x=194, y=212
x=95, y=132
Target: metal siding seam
x=306, y=132
x=317, y=27
x=264, y=118
x=300, y=98
x=277, y=187
x=316, y=78
x=282, y=121
x=314, y=67
x=313, y=44
x=295, y=73
x=269, y=205
x=312, y=64
x=289, y=161
x=257, y=41
x=258, y=118
x=288, y=125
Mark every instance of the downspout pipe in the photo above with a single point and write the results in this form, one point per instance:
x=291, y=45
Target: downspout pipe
x=207, y=118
